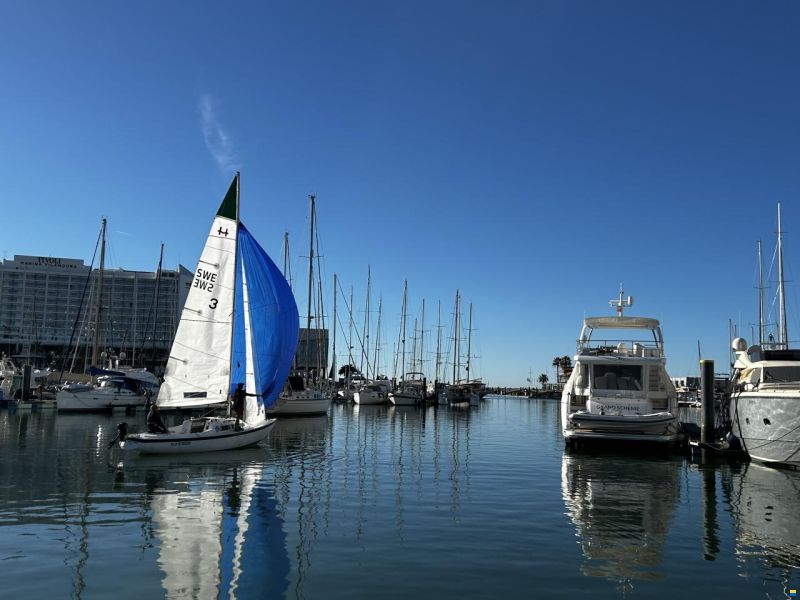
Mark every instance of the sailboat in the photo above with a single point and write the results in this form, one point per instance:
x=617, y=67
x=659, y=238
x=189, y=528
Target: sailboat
x=307, y=394
x=462, y=391
x=116, y=386
x=411, y=389
x=239, y=324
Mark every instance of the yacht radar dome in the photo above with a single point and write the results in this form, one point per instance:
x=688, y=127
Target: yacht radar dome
x=739, y=345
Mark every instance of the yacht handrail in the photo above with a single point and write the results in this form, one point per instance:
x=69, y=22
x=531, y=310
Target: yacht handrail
x=621, y=347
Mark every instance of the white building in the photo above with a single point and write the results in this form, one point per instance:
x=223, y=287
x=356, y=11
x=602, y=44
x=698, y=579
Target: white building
x=48, y=310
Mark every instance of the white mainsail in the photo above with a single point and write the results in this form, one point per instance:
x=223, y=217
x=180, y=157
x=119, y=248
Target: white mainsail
x=199, y=365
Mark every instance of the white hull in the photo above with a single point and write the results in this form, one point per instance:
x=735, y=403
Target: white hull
x=370, y=397
x=205, y=441
x=471, y=399
x=768, y=425
x=300, y=405
x=95, y=401
x=656, y=427
x=403, y=399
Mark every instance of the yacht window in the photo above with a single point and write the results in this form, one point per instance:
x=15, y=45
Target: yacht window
x=617, y=377
x=781, y=374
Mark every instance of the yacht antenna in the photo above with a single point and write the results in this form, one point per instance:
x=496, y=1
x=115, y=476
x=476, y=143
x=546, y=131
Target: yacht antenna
x=621, y=302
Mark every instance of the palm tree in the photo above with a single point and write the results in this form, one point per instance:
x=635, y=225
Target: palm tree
x=557, y=364
x=543, y=379
x=349, y=371
x=566, y=367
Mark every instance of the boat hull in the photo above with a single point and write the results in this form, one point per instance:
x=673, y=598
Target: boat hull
x=768, y=425
x=206, y=441
x=404, y=399
x=300, y=405
x=370, y=397
x=657, y=427
x=95, y=402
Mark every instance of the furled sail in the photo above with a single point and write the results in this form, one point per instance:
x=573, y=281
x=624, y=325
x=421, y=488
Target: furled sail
x=266, y=328
x=198, y=369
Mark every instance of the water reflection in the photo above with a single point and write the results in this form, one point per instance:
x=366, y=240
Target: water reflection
x=215, y=523
x=621, y=507
x=81, y=519
x=764, y=505
x=301, y=452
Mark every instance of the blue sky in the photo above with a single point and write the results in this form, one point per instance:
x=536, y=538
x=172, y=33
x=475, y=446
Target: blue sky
x=532, y=154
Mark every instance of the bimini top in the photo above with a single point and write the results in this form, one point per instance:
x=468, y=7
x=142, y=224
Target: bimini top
x=621, y=323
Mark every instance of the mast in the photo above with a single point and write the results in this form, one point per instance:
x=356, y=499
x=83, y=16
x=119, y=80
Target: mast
x=365, y=345
x=235, y=278
x=310, y=283
x=760, y=297
x=320, y=307
x=155, y=307
x=469, y=340
x=456, y=348
x=333, y=363
x=403, y=330
x=422, y=340
x=376, y=364
x=98, y=307
x=783, y=336
x=414, y=346
x=350, y=340
x=287, y=265
x=438, y=345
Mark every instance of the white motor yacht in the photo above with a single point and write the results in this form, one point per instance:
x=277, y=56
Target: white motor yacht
x=765, y=402
x=619, y=388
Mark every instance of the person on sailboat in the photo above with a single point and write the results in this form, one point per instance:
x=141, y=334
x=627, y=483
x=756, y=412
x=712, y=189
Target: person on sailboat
x=154, y=422
x=237, y=400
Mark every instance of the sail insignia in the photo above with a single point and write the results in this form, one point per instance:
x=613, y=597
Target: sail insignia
x=229, y=208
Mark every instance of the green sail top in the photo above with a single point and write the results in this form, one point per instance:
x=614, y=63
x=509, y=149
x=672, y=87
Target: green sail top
x=228, y=208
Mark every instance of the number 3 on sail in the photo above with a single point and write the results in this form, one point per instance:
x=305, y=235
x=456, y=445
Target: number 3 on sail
x=250, y=339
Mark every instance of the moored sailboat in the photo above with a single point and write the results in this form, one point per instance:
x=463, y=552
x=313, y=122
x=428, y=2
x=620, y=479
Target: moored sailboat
x=307, y=393
x=239, y=324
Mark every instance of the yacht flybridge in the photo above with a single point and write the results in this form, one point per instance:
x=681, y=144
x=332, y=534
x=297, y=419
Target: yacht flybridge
x=619, y=388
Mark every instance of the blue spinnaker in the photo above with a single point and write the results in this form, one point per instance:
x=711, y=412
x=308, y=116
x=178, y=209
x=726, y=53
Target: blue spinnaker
x=274, y=324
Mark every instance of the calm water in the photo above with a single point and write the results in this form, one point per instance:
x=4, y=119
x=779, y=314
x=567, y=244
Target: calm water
x=390, y=503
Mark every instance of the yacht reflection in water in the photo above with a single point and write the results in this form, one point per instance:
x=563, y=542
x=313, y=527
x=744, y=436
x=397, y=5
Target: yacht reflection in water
x=621, y=507
x=216, y=525
x=764, y=505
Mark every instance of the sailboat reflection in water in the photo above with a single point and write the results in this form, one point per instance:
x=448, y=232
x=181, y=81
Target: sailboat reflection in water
x=219, y=534
x=622, y=512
